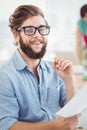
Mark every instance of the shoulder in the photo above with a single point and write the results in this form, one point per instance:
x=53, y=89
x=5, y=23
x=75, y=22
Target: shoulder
x=6, y=69
x=80, y=23
x=6, y=80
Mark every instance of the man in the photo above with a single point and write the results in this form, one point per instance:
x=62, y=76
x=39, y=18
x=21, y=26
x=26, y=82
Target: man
x=32, y=90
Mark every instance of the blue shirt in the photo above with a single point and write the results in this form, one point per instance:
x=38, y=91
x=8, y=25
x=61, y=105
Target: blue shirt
x=22, y=98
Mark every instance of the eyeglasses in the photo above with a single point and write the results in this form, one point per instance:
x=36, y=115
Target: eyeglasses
x=31, y=30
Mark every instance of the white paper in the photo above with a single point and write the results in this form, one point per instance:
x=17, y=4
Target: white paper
x=76, y=105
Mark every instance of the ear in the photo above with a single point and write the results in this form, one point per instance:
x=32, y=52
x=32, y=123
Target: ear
x=16, y=36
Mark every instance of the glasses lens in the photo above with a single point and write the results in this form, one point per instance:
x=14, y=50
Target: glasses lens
x=29, y=31
x=44, y=30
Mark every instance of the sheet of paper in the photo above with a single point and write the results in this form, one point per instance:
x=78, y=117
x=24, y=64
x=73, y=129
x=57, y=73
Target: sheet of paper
x=76, y=105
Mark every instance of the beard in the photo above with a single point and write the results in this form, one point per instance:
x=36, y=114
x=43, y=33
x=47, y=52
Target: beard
x=30, y=52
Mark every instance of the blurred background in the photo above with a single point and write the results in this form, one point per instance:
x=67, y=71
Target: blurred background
x=62, y=16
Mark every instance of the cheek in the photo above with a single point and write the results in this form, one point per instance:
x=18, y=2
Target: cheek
x=85, y=18
x=26, y=40
x=45, y=39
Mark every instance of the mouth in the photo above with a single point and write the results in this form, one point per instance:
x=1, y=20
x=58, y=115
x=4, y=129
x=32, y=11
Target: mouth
x=36, y=43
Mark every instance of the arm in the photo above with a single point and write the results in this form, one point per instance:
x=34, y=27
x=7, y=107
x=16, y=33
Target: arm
x=70, y=87
x=32, y=126
x=57, y=124
x=64, y=69
x=78, y=43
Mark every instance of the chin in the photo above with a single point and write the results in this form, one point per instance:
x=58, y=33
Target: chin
x=37, y=50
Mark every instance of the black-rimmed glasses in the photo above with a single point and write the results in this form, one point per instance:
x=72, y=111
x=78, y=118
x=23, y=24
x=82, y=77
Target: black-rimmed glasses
x=31, y=30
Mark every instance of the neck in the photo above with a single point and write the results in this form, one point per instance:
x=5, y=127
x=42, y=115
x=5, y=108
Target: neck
x=32, y=63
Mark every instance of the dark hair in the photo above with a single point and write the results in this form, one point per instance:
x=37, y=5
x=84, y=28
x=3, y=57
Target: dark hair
x=22, y=13
x=83, y=10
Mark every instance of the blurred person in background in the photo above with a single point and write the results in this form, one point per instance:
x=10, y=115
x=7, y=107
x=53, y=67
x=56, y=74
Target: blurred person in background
x=81, y=36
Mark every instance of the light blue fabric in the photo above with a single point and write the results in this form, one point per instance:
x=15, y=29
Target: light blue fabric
x=23, y=98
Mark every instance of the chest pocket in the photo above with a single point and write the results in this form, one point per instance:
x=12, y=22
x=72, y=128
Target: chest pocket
x=53, y=98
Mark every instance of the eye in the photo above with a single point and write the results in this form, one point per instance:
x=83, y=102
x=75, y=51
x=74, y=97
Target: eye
x=43, y=29
x=29, y=30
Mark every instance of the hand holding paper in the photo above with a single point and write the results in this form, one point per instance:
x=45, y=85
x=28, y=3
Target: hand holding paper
x=76, y=105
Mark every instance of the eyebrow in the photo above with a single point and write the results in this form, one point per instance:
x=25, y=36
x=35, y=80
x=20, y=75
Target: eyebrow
x=22, y=27
x=33, y=26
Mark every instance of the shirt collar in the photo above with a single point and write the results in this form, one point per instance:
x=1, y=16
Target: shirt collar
x=42, y=64
x=19, y=61
x=20, y=64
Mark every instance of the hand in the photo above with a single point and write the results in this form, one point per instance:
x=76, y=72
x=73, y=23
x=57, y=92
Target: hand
x=63, y=68
x=66, y=123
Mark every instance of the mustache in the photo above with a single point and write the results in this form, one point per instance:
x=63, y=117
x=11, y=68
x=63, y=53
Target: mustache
x=30, y=52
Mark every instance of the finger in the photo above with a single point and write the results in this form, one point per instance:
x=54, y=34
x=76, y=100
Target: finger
x=73, y=117
x=65, y=64
x=59, y=62
x=75, y=128
x=56, y=60
x=72, y=123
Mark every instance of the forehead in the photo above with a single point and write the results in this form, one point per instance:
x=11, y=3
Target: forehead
x=34, y=21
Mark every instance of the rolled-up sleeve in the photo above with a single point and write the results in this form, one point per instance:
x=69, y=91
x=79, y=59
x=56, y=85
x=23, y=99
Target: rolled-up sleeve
x=9, y=108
